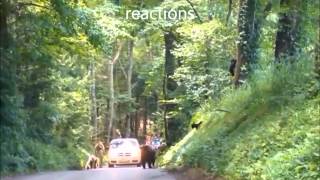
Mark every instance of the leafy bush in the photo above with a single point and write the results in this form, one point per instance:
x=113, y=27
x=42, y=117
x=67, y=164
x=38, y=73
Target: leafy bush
x=30, y=155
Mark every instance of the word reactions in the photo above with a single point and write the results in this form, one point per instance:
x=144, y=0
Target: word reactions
x=158, y=14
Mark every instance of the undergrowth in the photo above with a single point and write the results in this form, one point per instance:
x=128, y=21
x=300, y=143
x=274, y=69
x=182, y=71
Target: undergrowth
x=270, y=129
x=29, y=156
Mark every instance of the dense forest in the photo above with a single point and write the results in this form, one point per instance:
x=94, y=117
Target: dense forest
x=74, y=72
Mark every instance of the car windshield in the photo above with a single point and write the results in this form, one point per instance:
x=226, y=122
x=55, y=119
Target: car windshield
x=155, y=142
x=123, y=143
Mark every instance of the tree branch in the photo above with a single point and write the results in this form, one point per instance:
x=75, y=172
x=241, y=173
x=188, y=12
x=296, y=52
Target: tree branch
x=194, y=10
x=122, y=69
x=21, y=4
x=223, y=110
x=116, y=56
x=229, y=11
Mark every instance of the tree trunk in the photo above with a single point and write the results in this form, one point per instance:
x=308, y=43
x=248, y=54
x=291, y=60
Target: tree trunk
x=287, y=33
x=164, y=91
x=169, y=57
x=130, y=51
x=111, y=89
x=168, y=83
x=93, y=101
x=111, y=113
x=137, y=124
x=248, y=37
x=145, y=117
x=31, y=92
x=317, y=61
x=7, y=69
x=229, y=11
x=317, y=53
x=4, y=34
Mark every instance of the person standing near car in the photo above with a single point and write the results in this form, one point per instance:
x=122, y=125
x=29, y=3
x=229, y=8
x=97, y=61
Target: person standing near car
x=148, y=139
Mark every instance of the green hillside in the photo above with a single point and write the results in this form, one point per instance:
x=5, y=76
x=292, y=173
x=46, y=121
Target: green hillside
x=270, y=132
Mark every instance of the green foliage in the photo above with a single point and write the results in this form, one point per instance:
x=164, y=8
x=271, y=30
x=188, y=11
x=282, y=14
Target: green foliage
x=29, y=155
x=44, y=87
x=269, y=132
x=202, y=71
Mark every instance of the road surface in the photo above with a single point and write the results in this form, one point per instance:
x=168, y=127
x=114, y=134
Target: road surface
x=118, y=173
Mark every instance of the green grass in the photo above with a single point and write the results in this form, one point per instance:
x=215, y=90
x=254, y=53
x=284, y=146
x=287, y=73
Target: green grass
x=271, y=132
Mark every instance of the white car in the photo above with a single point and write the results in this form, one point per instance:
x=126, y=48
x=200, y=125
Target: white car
x=124, y=151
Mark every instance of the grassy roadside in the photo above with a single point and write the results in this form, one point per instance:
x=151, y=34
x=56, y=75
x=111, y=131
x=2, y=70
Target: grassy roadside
x=271, y=132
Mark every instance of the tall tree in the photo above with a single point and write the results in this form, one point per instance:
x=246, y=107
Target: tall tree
x=168, y=82
x=117, y=50
x=129, y=81
x=4, y=34
x=288, y=29
x=7, y=70
x=317, y=51
x=248, y=37
x=93, y=98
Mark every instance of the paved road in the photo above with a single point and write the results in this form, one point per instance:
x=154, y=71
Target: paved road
x=118, y=173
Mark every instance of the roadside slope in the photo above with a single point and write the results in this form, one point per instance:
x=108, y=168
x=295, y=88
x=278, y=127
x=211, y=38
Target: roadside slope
x=270, y=132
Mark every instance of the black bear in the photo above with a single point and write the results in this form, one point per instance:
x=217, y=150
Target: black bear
x=232, y=66
x=196, y=125
x=92, y=163
x=148, y=155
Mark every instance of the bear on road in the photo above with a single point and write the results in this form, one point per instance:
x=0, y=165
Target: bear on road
x=92, y=163
x=148, y=155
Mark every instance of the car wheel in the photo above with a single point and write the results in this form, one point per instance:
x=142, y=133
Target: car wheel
x=110, y=165
x=138, y=165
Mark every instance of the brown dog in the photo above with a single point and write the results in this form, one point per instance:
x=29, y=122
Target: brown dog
x=92, y=163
